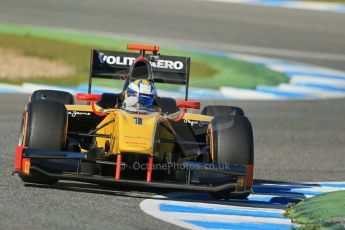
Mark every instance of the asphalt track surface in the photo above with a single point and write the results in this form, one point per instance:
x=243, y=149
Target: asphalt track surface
x=308, y=36
x=294, y=141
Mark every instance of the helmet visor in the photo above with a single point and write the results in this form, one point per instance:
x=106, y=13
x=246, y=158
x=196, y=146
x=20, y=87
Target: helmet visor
x=145, y=100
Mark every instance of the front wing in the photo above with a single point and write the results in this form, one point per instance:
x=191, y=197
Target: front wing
x=198, y=176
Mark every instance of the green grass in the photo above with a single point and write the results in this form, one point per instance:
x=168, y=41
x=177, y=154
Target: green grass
x=315, y=211
x=207, y=71
x=239, y=74
x=75, y=54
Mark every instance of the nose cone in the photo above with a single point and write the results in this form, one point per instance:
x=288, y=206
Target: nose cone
x=136, y=132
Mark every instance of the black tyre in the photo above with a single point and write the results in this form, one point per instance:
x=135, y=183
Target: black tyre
x=222, y=110
x=44, y=127
x=167, y=104
x=232, y=144
x=53, y=95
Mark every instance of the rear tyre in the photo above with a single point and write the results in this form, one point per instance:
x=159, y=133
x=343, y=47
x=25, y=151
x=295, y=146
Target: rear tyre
x=44, y=127
x=232, y=144
x=167, y=104
x=222, y=110
x=53, y=95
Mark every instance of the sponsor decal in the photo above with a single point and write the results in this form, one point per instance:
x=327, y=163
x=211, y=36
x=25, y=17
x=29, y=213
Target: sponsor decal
x=195, y=123
x=136, y=143
x=138, y=137
x=128, y=61
x=78, y=113
x=167, y=64
x=111, y=60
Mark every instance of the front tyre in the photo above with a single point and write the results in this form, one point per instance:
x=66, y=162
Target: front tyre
x=53, y=95
x=44, y=127
x=222, y=110
x=231, y=142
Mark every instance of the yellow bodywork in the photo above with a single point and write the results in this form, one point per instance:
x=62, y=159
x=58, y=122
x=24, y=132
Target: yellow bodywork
x=135, y=133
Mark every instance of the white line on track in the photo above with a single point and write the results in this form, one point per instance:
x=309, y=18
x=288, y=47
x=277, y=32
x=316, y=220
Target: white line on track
x=323, y=81
x=199, y=210
x=293, y=4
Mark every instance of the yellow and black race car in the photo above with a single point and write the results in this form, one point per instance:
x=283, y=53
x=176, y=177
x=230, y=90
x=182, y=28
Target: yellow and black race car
x=135, y=137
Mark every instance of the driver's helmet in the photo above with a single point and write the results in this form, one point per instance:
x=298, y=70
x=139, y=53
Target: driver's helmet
x=139, y=96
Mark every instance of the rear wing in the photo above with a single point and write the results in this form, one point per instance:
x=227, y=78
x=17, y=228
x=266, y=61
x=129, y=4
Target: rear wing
x=115, y=65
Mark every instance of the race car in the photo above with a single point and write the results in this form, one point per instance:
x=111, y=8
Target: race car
x=135, y=137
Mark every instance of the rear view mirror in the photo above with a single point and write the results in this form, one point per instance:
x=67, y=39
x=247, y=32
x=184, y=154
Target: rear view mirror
x=88, y=97
x=188, y=104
